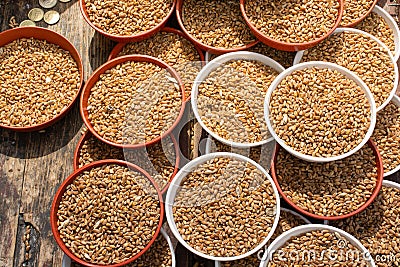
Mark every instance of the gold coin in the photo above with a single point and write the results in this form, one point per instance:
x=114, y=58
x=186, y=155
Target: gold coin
x=51, y=17
x=36, y=14
x=47, y=3
x=65, y=1
x=27, y=22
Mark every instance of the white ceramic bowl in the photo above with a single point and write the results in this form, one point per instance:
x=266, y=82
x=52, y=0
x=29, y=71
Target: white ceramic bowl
x=396, y=101
x=175, y=185
x=286, y=236
x=208, y=56
x=343, y=71
x=393, y=25
x=299, y=56
x=66, y=261
x=306, y=221
x=214, y=64
x=388, y=183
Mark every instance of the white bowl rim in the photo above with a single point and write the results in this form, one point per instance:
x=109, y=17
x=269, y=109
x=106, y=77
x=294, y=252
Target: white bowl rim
x=396, y=101
x=282, y=239
x=175, y=183
x=66, y=261
x=211, y=66
x=393, y=25
x=306, y=221
x=299, y=56
x=388, y=183
x=209, y=144
x=171, y=247
x=297, y=215
x=348, y=74
x=207, y=56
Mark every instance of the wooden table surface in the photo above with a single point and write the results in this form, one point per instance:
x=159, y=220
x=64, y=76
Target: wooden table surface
x=33, y=165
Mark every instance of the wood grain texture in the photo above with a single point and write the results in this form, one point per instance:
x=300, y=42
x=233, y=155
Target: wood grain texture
x=33, y=165
x=12, y=168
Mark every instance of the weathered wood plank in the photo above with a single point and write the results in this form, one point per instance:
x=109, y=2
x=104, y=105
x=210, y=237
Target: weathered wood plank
x=33, y=165
x=50, y=162
x=48, y=155
x=12, y=167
